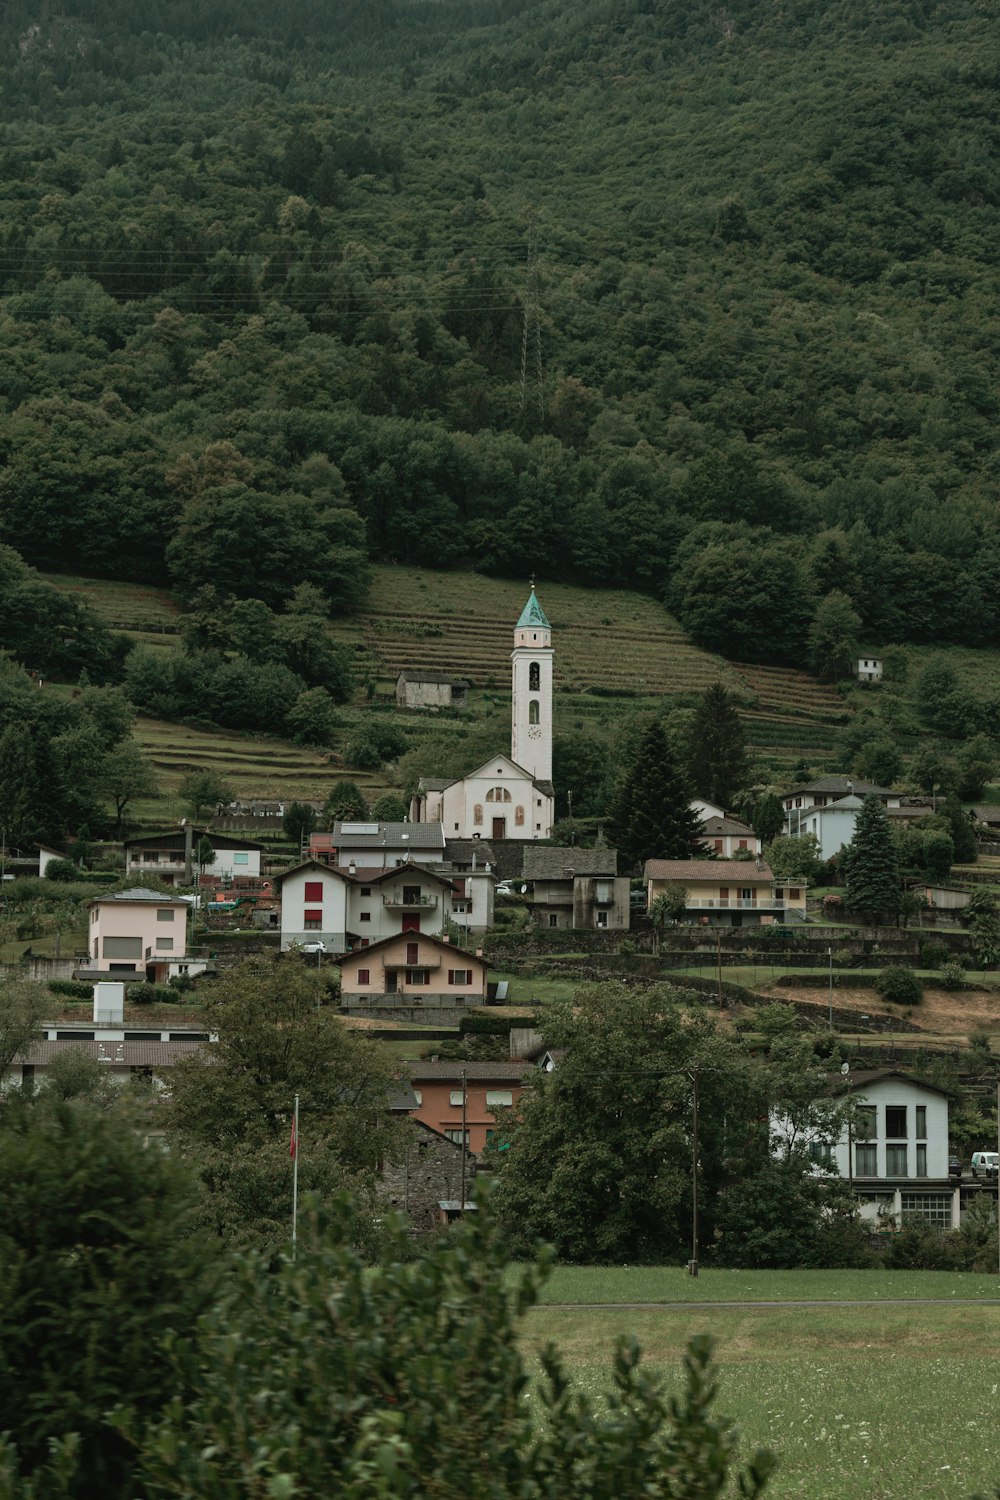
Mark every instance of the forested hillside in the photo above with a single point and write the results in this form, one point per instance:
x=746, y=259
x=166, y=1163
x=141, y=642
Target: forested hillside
x=690, y=298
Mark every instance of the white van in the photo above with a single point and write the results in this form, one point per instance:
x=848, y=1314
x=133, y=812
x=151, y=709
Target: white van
x=984, y=1163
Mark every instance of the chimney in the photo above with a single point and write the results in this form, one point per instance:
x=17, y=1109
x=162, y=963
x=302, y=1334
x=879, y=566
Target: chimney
x=352, y=868
x=109, y=1003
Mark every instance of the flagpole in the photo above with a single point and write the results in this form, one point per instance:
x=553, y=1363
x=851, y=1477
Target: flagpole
x=295, y=1175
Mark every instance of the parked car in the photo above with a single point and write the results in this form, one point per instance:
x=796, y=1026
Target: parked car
x=984, y=1163
x=955, y=1167
x=316, y=946
x=504, y=888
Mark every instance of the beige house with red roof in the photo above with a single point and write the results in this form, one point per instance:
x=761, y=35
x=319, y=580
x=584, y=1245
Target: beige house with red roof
x=412, y=968
x=728, y=835
x=728, y=893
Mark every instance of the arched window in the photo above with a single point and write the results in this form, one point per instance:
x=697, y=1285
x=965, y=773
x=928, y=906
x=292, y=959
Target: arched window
x=532, y=710
x=498, y=794
x=477, y=813
x=534, y=678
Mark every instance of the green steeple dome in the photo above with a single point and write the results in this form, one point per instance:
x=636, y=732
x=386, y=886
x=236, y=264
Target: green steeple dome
x=532, y=614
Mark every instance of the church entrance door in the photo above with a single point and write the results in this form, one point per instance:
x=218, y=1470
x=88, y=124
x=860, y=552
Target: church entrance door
x=499, y=828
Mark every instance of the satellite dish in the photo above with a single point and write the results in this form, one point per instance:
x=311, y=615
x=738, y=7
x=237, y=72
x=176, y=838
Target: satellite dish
x=845, y=1068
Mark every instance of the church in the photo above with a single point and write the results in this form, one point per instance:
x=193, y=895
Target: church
x=508, y=796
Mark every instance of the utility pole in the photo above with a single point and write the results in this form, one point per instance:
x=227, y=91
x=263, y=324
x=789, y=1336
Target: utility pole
x=718, y=961
x=829, y=959
x=465, y=1142
x=693, y=1266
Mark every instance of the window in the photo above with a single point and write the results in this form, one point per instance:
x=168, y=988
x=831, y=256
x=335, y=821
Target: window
x=922, y=1160
x=418, y=976
x=165, y=944
x=895, y=1161
x=895, y=1122
x=364, y=916
x=746, y=894
x=498, y=794
x=312, y=921
x=411, y=895
x=418, y=1094
x=364, y=942
x=241, y=859
x=821, y=1152
x=314, y=890
x=553, y=920
x=793, y=892
x=165, y=913
x=533, y=711
x=412, y=953
x=93, y=914
x=496, y=1097
x=459, y=976
x=921, y=1128
x=602, y=919
x=364, y=976
x=864, y=1123
x=534, y=677
x=933, y=1208
x=456, y=1097
x=122, y=947
x=460, y=1137
x=366, y=890
x=866, y=1161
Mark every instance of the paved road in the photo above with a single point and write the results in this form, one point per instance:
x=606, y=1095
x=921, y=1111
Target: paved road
x=790, y=1302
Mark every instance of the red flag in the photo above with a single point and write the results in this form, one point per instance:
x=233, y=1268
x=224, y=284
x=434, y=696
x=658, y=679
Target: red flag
x=293, y=1144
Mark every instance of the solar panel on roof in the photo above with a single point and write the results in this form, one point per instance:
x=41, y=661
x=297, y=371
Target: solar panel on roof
x=358, y=828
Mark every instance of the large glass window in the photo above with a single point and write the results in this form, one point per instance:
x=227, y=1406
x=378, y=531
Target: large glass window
x=933, y=1208
x=895, y=1122
x=866, y=1161
x=864, y=1123
x=895, y=1161
x=922, y=1160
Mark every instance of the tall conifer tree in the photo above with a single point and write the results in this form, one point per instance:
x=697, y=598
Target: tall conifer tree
x=717, y=760
x=873, y=884
x=652, y=817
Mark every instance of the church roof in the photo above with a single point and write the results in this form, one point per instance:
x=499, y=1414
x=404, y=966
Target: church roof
x=532, y=613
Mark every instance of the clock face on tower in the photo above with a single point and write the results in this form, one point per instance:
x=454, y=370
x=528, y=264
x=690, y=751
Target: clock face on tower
x=534, y=731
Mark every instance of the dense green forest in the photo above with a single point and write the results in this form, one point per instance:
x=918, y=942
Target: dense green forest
x=693, y=298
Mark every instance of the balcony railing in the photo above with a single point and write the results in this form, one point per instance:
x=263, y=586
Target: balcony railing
x=390, y=964
x=409, y=903
x=735, y=903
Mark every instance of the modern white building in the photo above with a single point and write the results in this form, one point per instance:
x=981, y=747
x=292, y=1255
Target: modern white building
x=165, y=855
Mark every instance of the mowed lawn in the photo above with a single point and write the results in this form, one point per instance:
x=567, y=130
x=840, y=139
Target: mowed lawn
x=881, y=1402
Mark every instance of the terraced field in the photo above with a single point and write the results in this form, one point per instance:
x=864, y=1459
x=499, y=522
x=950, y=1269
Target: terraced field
x=614, y=650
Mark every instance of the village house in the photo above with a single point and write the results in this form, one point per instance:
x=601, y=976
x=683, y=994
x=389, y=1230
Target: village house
x=167, y=856
x=352, y=907
x=507, y=796
x=578, y=888
x=458, y=1098
x=894, y=1154
x=826, y=789
x=868, y=668
x=379, y=844
x=728, y=893
x=432, y=1174
x=433, y=690
x=728, y=835
x=412, y=968
x=141, y=933
x=833, y=824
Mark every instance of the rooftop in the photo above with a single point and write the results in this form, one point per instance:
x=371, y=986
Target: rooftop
x=545, y=862
x=720, y=871
x=716, y=827
x=841, y=786
x=416, y=674
x=475, y=1072
x=142, y=893
x=533, y=613
x=375, y=835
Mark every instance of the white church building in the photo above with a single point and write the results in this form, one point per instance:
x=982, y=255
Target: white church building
x=508, y=796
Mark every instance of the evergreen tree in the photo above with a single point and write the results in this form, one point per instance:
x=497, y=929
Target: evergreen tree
x=768, y=817
x=717, y=759
x=652, y=816
x=962, y=829
x=873, y=885
x=21, y=816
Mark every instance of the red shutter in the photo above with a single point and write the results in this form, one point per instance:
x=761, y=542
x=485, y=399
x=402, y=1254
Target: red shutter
x=314, y=890
x=364, y=976
x=412, y=950
x=314, y=914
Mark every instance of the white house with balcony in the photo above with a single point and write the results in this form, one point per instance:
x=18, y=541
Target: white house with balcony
x=727, y=893
x=353, y=907
x=165, y=855
x=798, y=801
x=894, y=1152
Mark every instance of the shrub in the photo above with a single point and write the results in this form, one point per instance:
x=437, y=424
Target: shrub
x=900, y=986
x=61, y=869
x=72, y=989
x=952, y=977
x=933, y=954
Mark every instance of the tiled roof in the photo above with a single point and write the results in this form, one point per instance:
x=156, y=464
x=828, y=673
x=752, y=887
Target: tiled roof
x=475, y=1072
x=839, y=1083
x=545, y=862
x=391, y=835
x=739, y=871
x=841, y=786
x=414, y=674
x=717, y=827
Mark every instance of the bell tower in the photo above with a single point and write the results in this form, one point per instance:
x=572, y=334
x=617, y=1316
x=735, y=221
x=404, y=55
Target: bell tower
x=531, y=694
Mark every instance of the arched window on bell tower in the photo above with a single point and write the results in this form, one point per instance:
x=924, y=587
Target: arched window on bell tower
x=533, y=711
x=534, y=680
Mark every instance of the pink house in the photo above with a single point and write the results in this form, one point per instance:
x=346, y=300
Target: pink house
x=138, y=932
